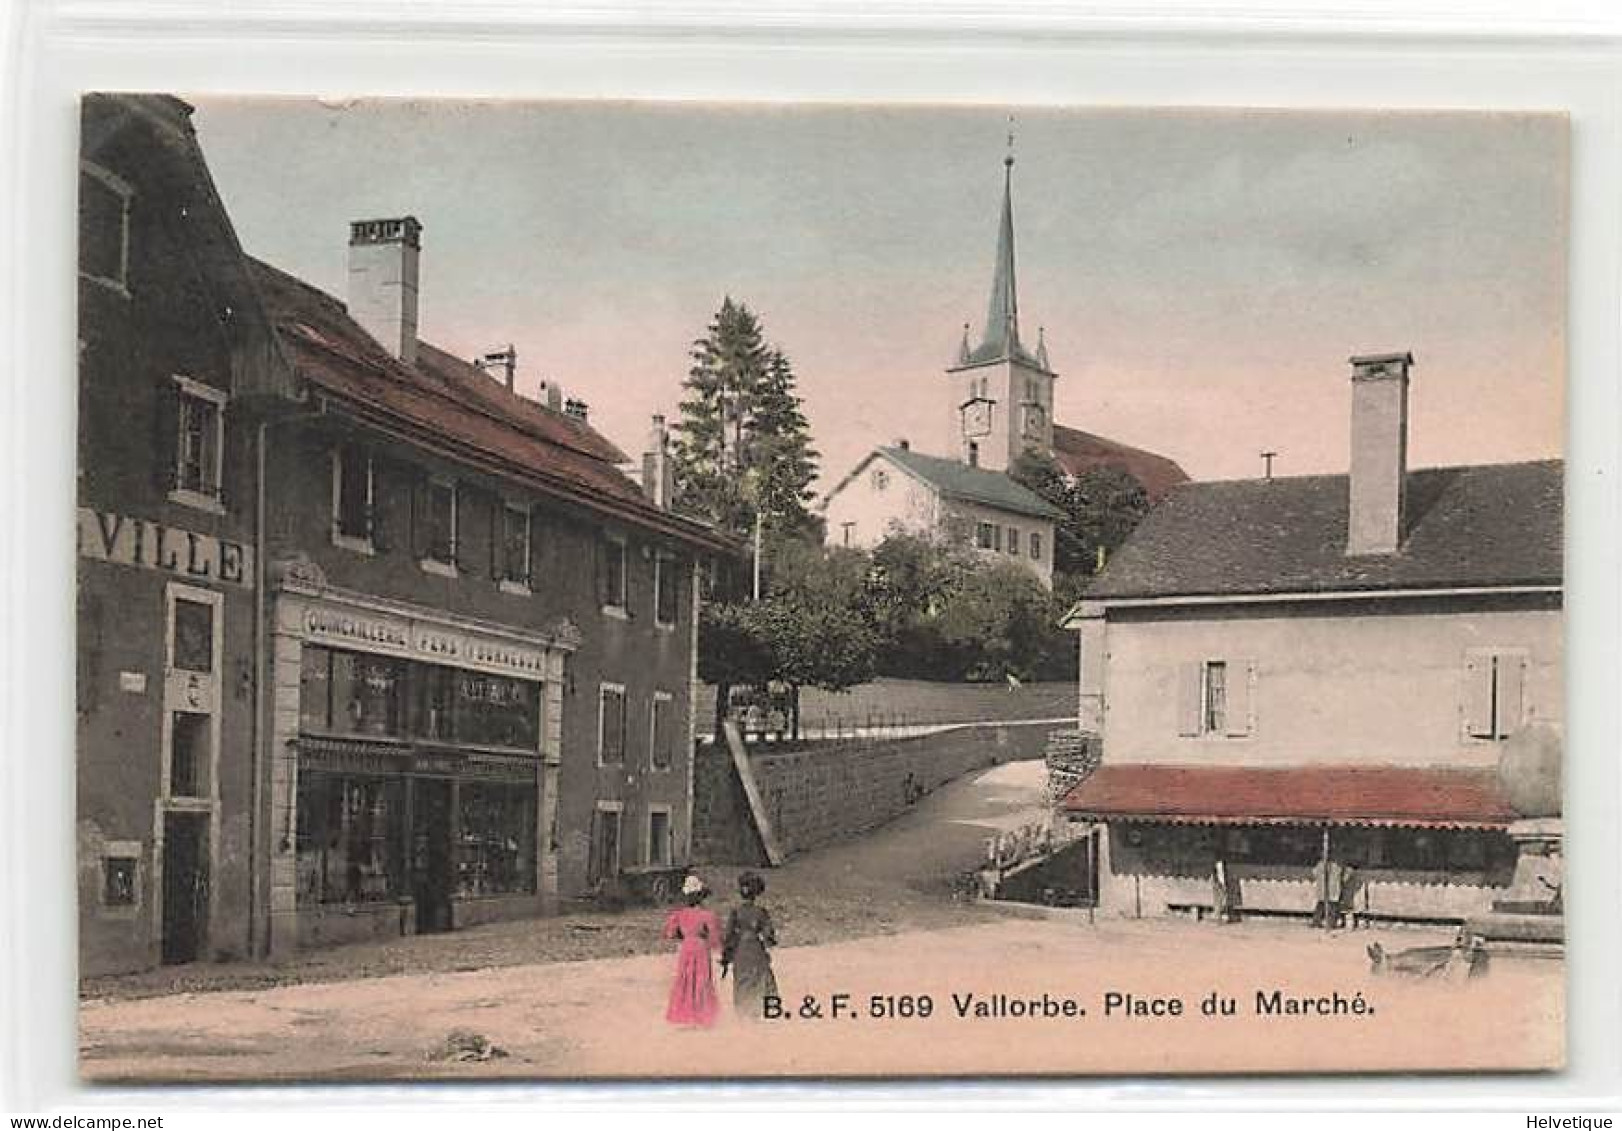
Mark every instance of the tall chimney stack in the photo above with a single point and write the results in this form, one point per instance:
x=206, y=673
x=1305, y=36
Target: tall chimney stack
x=658, y=472
x=383, y=282
x=1379, y=473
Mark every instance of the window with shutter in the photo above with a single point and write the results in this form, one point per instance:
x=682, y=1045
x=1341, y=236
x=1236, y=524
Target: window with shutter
x=1478, y=694
x=664, y=590
x=611, y=573
x=1241, y=698
x=1494, y=705
x=195, y=415
x=611, y=724
x=1188, y=699
x=352, y=497
x=513, y=568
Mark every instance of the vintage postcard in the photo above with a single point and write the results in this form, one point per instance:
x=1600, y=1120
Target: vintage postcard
x=636, y=590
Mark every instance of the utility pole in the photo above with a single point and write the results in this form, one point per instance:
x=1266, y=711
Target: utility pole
x=1267, y=463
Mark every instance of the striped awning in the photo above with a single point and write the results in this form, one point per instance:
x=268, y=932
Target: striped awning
x=1415, y=796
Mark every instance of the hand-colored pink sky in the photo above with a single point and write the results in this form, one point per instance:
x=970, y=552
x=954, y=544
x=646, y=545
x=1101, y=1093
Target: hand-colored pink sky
x=1202, y=276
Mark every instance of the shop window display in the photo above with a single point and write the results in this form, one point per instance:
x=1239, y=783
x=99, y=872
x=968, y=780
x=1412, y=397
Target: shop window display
x=351, y=838
x=496, y=849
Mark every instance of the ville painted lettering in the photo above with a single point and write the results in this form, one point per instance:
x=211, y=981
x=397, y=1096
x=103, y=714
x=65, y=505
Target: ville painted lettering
x=123, y=540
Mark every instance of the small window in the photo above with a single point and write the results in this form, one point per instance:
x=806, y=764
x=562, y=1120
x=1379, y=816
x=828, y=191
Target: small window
x=881, y=479
x=352, y=494
x=974, y=454
x=118, y=881
x=1013, y=540
x=515, y=545
x=1036, y=546
x=199, y=446
x=104, y=226
x=612, y=573
x=1215, y=697
x=192, y=647
x=611, y=725
x=190, y=742
x=659, y=837
x=440, y=515
x=662, y=737
x=983, y=535
x=665, y=576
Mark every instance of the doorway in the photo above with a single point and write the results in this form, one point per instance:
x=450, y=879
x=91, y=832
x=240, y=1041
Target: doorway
x=604, y=863
x=431, y=854
x=185, y=886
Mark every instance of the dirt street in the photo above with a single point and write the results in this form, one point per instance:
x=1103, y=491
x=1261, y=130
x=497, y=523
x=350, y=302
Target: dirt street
x=605, y=1018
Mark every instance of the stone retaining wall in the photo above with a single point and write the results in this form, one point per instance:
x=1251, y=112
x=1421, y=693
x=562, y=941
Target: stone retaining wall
x=827, y=792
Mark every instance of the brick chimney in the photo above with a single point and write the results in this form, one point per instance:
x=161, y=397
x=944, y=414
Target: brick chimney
x=383, y=282
x=1379, y=453
x=658, y=473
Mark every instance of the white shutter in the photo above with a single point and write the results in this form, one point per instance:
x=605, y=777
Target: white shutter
x=1241, y=698
x=1511, y=693
x=1188, y=699
x=1477, y=705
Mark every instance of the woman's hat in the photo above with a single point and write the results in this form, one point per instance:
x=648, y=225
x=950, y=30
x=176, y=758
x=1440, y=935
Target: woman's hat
x=692, y=885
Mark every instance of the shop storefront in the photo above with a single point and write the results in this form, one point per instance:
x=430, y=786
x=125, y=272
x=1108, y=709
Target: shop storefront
x=415, y=780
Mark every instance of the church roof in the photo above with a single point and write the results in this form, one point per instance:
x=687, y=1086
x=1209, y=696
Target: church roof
x=1467, y=527
x=1000, y=340
x=1079, y=452
x=971, y=484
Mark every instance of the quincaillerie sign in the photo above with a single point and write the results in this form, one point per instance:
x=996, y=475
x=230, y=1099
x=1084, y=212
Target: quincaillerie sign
x=108, y=537
x=432, y=643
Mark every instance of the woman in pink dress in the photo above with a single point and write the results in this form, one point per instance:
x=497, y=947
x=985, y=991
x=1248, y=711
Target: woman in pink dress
x=692, y=997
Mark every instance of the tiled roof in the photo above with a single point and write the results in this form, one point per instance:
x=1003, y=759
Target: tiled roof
x=1079, y=452
x=1467, y=527
x=445, y=400
x=972, y=484
x=1355, y=795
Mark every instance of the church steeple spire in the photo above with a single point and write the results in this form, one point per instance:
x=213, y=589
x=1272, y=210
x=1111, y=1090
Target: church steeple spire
x=1000, y=340
x=1002, y=313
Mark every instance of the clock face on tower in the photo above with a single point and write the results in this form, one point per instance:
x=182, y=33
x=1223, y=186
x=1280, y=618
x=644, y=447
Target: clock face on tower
x=1036, y=418
x=976, y=417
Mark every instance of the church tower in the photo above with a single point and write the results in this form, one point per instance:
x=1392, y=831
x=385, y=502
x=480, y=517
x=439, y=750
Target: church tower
x=1000, y=394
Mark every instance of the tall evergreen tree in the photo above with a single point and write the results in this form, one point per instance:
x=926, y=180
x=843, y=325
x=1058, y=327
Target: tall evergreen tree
x=743, y=440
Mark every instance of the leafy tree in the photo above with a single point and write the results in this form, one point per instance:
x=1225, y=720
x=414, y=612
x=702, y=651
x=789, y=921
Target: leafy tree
x=1001, y=621
x=1101, y=506
x=743, y=443
x=908, y=584
x=810, y=629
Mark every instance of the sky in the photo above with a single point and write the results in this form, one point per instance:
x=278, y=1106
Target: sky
x=1202, y=276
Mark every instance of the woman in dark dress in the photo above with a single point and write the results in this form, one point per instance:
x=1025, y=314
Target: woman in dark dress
x=744, y=949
